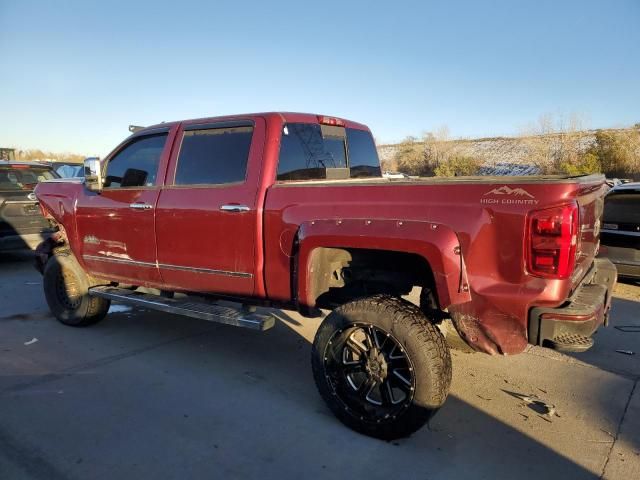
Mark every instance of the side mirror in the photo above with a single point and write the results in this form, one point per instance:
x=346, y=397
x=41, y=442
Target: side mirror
x=93, y=174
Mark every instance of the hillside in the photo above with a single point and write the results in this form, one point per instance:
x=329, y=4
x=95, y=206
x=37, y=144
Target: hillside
x=524, y=155
x=491, y=151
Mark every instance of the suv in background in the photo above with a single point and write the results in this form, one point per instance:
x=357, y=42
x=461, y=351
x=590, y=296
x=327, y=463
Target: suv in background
x=621, y=228
x=21, y=222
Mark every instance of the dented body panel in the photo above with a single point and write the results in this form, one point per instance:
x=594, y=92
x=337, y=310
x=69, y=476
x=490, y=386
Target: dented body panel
x=470, y=232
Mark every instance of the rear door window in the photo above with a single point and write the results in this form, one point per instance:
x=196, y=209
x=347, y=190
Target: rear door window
x=214, y=156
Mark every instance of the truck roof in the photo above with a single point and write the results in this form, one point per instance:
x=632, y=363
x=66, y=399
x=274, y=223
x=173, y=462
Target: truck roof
x=284, y=116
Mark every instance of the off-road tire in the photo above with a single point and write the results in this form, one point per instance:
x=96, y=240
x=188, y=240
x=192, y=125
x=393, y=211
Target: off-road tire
x=421, y=342
x=66, y=288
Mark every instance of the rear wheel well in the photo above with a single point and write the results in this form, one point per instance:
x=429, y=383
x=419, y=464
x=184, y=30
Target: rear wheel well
x=339, y=275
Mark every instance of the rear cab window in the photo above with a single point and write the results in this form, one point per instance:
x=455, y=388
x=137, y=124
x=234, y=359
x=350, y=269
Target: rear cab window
x=311, y=151
x=23, y=177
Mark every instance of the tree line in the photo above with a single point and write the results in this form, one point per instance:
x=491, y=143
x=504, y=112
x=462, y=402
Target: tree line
x=40, y=155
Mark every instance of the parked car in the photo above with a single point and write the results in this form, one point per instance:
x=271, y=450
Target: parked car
x=612, y=182
x=621, y=228
x=395, y=175
x=291, y=211
x=21, y=222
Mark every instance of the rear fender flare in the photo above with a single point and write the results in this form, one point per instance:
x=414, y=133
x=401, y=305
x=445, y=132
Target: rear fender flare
x=436, y=243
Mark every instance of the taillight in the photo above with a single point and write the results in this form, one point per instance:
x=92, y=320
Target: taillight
x=552, y=241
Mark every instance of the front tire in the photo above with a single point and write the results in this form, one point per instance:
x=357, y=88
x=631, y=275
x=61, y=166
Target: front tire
x=382, y=367
x=66, y=288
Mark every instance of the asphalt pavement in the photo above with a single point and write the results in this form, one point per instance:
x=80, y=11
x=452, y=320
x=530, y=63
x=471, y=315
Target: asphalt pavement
x=149, y=395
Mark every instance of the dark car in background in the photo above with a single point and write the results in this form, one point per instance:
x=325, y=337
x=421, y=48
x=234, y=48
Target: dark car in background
x=21, y=222
x=621, y=228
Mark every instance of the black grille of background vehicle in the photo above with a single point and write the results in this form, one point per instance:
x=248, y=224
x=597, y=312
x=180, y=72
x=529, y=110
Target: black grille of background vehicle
x=620, y=240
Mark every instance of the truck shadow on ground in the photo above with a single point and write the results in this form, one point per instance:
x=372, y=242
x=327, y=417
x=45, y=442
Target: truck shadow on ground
x=10, y=257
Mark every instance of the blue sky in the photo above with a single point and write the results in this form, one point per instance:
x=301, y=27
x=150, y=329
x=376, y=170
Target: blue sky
x=75, y=75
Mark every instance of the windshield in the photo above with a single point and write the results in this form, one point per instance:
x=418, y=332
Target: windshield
x=23, y=177
x=70, y=171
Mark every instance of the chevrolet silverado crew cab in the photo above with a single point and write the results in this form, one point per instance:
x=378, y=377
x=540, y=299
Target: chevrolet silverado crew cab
x=290, y=210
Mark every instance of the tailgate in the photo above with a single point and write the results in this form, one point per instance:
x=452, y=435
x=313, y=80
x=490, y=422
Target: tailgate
x=590, y=198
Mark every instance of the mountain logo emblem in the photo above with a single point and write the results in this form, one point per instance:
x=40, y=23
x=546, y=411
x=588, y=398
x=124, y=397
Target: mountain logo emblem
x=504, y=190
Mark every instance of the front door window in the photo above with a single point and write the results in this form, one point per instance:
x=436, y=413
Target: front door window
x=137, y=164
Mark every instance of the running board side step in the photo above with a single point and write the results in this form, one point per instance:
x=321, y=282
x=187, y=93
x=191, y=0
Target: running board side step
x=188, y=307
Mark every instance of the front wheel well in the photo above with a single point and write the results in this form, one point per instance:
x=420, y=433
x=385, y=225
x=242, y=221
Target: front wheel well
x=339, y=275
x=57, y=242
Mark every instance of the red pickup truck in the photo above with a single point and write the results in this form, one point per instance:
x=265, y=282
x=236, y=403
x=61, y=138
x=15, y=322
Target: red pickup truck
x=290, y=210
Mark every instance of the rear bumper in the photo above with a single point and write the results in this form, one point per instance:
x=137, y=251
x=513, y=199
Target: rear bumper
x=22, y=242
x=571, y=326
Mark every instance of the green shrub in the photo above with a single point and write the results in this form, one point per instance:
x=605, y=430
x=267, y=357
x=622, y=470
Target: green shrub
x=458, y=166
x=586, y=164
x=618, y=151
x=409, y=158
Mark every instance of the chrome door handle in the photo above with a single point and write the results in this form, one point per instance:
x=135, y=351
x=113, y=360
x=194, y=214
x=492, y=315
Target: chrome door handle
x=140, y=206
x=234, y=208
